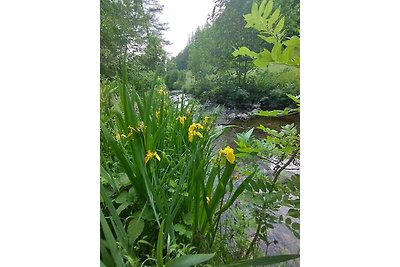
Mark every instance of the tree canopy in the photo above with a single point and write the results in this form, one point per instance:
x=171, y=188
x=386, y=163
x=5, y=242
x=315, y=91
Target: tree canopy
x=210, y=70
x=130, y=29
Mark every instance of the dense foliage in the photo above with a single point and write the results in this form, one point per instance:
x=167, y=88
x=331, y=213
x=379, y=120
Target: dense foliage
x=130, y=31
x=207, y=68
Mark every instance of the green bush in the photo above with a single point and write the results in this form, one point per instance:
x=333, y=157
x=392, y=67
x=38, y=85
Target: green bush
x=272, y=87
x=188, y=82
x=179, y=83
x=170, y=78
x=226, y=91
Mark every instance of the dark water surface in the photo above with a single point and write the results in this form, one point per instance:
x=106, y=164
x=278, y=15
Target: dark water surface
x=275, y=123
x=271, y=122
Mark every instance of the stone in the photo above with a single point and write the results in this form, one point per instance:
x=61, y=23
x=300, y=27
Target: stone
x=242, y=116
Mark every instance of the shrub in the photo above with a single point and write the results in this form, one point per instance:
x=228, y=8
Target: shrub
x=272, y=87
x=170, y=78
x=188, y=82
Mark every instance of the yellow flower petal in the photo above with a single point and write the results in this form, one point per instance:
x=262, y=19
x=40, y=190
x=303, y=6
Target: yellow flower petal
x=181, y=119
x=150, y=155
x=157, y=156
x=190, y=136
x=147, y=157
x=199, y=134
x=198, y=125
x=192, y=131
x=230, y=157
x=229, y=154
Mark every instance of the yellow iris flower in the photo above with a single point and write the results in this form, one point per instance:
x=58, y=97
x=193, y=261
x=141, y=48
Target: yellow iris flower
x=118, y=136
x=181, y=119
x=229, y=154
x=150, y=155
x=193, y=131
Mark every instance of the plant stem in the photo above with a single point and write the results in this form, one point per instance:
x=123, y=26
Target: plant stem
x=253, y=241
x=278, y=172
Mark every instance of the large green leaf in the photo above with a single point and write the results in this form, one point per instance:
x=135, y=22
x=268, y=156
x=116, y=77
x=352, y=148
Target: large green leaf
x=268, y=9
x=269, y=39
x=250, y=20
x=263, y=59
x=287, y=54
x=262, y=7
x=293, y=42
x=122, y=197
x=276, y=51
x=237, y=193
x=190, y=260
x=296, y=226
x=279, y=26
x=268, y=113
x=123, y=206
x=275, y=16
x=294, y=98
x=135, y=228
x=244, y=51
x=245, y=136
x=254, y=8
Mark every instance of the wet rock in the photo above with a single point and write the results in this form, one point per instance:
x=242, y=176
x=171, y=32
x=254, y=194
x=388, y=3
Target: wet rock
x=242, y=116
x=286, y=242
x=231, y=116
x=264, y=168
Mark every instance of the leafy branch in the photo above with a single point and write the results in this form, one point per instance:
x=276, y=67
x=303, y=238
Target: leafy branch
x=262, y=19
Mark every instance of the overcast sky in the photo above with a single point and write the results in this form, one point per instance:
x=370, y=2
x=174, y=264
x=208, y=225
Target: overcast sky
x=183, y=17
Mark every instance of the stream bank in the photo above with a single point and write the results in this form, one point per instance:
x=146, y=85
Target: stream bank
x=241, y=120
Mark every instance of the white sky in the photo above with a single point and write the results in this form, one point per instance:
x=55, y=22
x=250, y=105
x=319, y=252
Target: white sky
x=183, y=17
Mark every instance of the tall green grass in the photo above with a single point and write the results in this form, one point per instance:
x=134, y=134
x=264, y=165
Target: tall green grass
x=166, y=151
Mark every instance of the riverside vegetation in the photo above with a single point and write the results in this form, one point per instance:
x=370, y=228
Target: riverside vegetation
x=170, y=193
